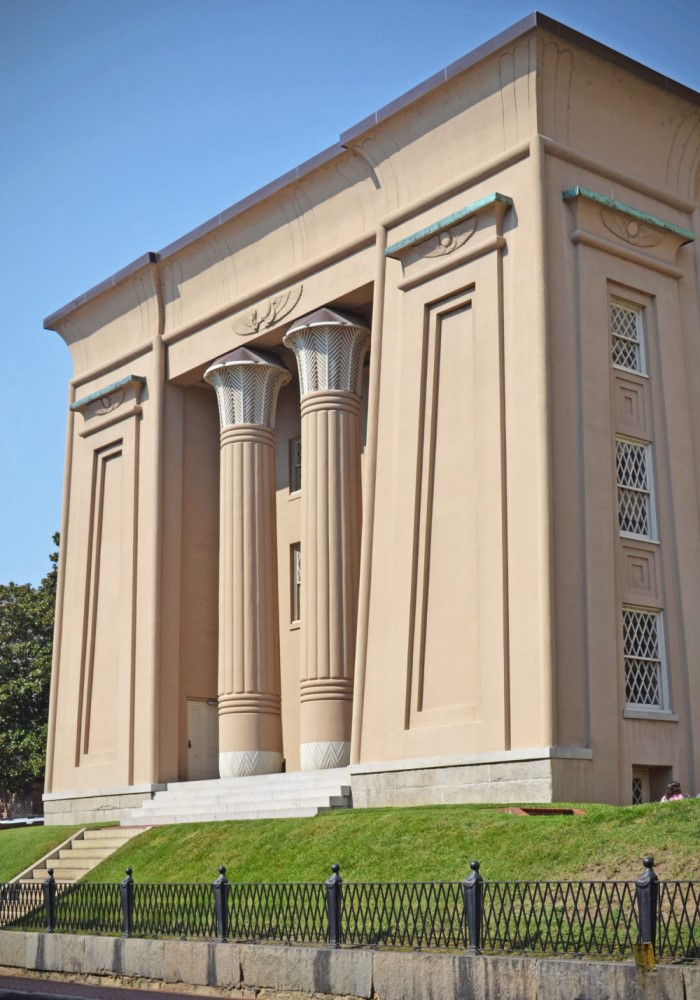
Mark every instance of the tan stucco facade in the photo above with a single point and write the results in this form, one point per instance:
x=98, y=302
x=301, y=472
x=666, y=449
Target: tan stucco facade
x=443, y=524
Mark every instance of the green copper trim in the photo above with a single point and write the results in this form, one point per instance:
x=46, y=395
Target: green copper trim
x=619, y=206
x=448, y=221
x=108, y=389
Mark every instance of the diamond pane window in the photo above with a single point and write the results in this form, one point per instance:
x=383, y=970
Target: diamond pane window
x=627, y=347
x=637, y=799
x=644, y=661
x=634, y=499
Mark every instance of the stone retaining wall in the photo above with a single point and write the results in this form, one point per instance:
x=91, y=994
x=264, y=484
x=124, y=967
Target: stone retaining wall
x=346, y=973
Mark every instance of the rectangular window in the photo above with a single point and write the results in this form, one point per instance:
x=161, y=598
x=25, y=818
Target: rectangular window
x=627, y=340
x=296, y=582
x=634, y=488
x=645, y=662
x=295, y=465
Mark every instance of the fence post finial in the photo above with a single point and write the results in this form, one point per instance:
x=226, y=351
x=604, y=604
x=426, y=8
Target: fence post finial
x=473, y=895
x=220, y=890
x=647, y=899
x=334, y=907
x=126, y=893
x=49, y=890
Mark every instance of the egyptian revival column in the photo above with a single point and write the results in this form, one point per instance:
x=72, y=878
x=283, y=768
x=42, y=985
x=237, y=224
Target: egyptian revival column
x=250, y=726
x=329, y=349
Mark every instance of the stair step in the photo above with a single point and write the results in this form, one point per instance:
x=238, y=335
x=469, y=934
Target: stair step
x=62, y=874
x=84, y=852
x=220, y=817
x=215, y=802
x=194, y=806
x=77, y=861
x=109, y=833
x=332, y=777
x=108, y=845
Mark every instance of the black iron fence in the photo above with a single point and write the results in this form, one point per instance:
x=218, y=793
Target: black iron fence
x=550, y=918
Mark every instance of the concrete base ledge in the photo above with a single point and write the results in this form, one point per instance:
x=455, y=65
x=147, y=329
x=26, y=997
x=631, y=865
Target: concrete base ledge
x=356, y=973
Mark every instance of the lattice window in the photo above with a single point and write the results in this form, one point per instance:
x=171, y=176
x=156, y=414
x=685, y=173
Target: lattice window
x=637, y=792
x=634, y=493
x=645, y=679
x=296, y=582
x=627, y=341
x=295, y=465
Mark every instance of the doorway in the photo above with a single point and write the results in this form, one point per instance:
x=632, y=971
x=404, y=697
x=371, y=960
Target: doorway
x=202, y=740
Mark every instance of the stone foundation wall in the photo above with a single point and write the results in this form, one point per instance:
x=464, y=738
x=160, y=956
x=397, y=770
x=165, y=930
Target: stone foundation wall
x=355, y=973
x=99, y=806
x=520, y=781
x=540, y=775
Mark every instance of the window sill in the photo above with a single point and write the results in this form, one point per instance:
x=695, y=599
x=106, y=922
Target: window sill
x=294, y=626
x=294, y=494
x=649, y=715
x=627, y=536
x=630, y=371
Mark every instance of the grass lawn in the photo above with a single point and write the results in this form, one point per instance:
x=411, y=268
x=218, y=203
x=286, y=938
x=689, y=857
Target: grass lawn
x=421, y=844
x=22, y=846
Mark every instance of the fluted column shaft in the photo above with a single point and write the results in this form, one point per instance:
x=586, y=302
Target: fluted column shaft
x=250, y=728
x=329, y=356
x=250, y=725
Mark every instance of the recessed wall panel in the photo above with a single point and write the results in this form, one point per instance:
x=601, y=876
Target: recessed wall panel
x=457, y=630
x=450, y=517
x=107, y=616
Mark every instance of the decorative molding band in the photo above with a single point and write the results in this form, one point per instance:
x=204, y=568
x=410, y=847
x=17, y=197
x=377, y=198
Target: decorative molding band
x=325, y=400
x=246, y=388
x=245, y=763
x=250, y=702
x=327, y=689
x=247, y=434
x=111, y=396
x=92, y=428
x=324, y=756
x=329, y=356
x=445, y=235
x=641, y=220
x=95, y=793
x=626, y=253
x=476, y=759
x=474, y=251
x=265, y=315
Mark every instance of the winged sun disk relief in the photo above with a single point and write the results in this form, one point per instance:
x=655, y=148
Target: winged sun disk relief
x=637, y=233
x=443, y=242
x=267, y=313
x=107, y=403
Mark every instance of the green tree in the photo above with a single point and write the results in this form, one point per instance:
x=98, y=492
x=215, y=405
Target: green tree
x=26, y=645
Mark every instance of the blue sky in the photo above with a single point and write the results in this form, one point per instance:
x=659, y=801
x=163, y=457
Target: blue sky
x=126, y=123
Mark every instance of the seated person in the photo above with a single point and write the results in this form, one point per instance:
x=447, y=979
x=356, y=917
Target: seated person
x=673, y=792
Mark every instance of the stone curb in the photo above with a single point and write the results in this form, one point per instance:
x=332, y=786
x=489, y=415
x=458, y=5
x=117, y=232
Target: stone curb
x=358, y=973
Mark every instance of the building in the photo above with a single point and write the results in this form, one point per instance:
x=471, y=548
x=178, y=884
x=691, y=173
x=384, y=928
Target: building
x=443, y=525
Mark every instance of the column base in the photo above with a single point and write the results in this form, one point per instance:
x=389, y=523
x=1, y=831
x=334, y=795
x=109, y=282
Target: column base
x=324, y=756
x=245, y=763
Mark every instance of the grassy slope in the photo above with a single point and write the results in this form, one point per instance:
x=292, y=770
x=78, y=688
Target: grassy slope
x=22, y=846
x=421, y=844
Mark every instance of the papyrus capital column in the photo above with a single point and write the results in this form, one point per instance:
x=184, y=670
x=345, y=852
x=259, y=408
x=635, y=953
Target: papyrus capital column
x=247, y=383
x=330, y=349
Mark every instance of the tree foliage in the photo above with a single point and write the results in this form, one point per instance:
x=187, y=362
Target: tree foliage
x=26, y=645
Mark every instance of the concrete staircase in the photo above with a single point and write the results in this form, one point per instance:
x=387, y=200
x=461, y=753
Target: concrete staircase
x=80, y=854
x=264, y=796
